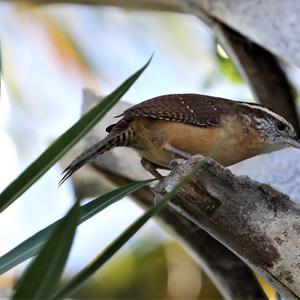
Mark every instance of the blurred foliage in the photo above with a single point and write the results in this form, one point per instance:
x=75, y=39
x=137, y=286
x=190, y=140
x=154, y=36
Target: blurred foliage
x=65, y=49
x=144, y=273
x=132, y=274
x=227, y=67
x=269, y=291
x=295, y=94
x=144, y=270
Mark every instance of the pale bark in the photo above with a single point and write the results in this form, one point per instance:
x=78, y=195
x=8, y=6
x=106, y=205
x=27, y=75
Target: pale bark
x=273, y=24
x=259, y=224
x=234, y=280
x=261, y=70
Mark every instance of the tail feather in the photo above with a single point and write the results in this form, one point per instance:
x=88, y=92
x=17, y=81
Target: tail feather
x=111, y=141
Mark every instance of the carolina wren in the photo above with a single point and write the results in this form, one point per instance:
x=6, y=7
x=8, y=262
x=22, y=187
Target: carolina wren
x=180, y=125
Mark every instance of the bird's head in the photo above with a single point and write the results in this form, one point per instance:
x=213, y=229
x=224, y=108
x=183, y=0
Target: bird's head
x=275, y=130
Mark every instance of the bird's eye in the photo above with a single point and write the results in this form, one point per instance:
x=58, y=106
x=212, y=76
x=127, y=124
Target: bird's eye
x=281, y=126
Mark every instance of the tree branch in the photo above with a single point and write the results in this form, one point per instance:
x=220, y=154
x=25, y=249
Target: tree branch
x=271, y=24
x=259, y=224
x=154, y=5
x=260, y=68
x=231, y=276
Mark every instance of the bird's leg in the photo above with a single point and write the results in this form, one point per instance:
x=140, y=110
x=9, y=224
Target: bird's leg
x=178, y=152
x=151, y=167
x=183, y=155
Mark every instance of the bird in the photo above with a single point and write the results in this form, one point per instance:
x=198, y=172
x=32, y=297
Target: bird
x=181, y=125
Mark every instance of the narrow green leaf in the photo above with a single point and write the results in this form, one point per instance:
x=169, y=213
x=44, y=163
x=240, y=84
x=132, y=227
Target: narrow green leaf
x=43, y=275
x=101, y=259
x=55, y=151
x=32, y=245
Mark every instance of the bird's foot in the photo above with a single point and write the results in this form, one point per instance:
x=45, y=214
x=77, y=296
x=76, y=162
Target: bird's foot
x=175, y=162
x=151, y=167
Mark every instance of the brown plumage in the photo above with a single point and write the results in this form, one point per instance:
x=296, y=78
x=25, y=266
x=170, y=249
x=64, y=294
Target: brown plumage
x=169, y=126
x=192, y=109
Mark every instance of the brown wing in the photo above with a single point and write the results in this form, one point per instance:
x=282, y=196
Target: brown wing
x=193, y=109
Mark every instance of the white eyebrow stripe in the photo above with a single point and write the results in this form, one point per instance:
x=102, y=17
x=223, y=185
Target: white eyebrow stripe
x=266, y=110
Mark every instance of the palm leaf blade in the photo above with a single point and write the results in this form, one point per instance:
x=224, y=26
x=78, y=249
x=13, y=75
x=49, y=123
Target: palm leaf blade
x=32, y=245
x=43, y=275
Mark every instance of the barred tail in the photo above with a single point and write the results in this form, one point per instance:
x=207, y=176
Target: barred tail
x=111, y=141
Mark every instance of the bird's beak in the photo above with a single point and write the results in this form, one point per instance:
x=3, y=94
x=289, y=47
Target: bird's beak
x=294, y=142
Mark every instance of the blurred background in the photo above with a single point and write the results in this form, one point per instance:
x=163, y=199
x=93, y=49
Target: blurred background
x=49, y=54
